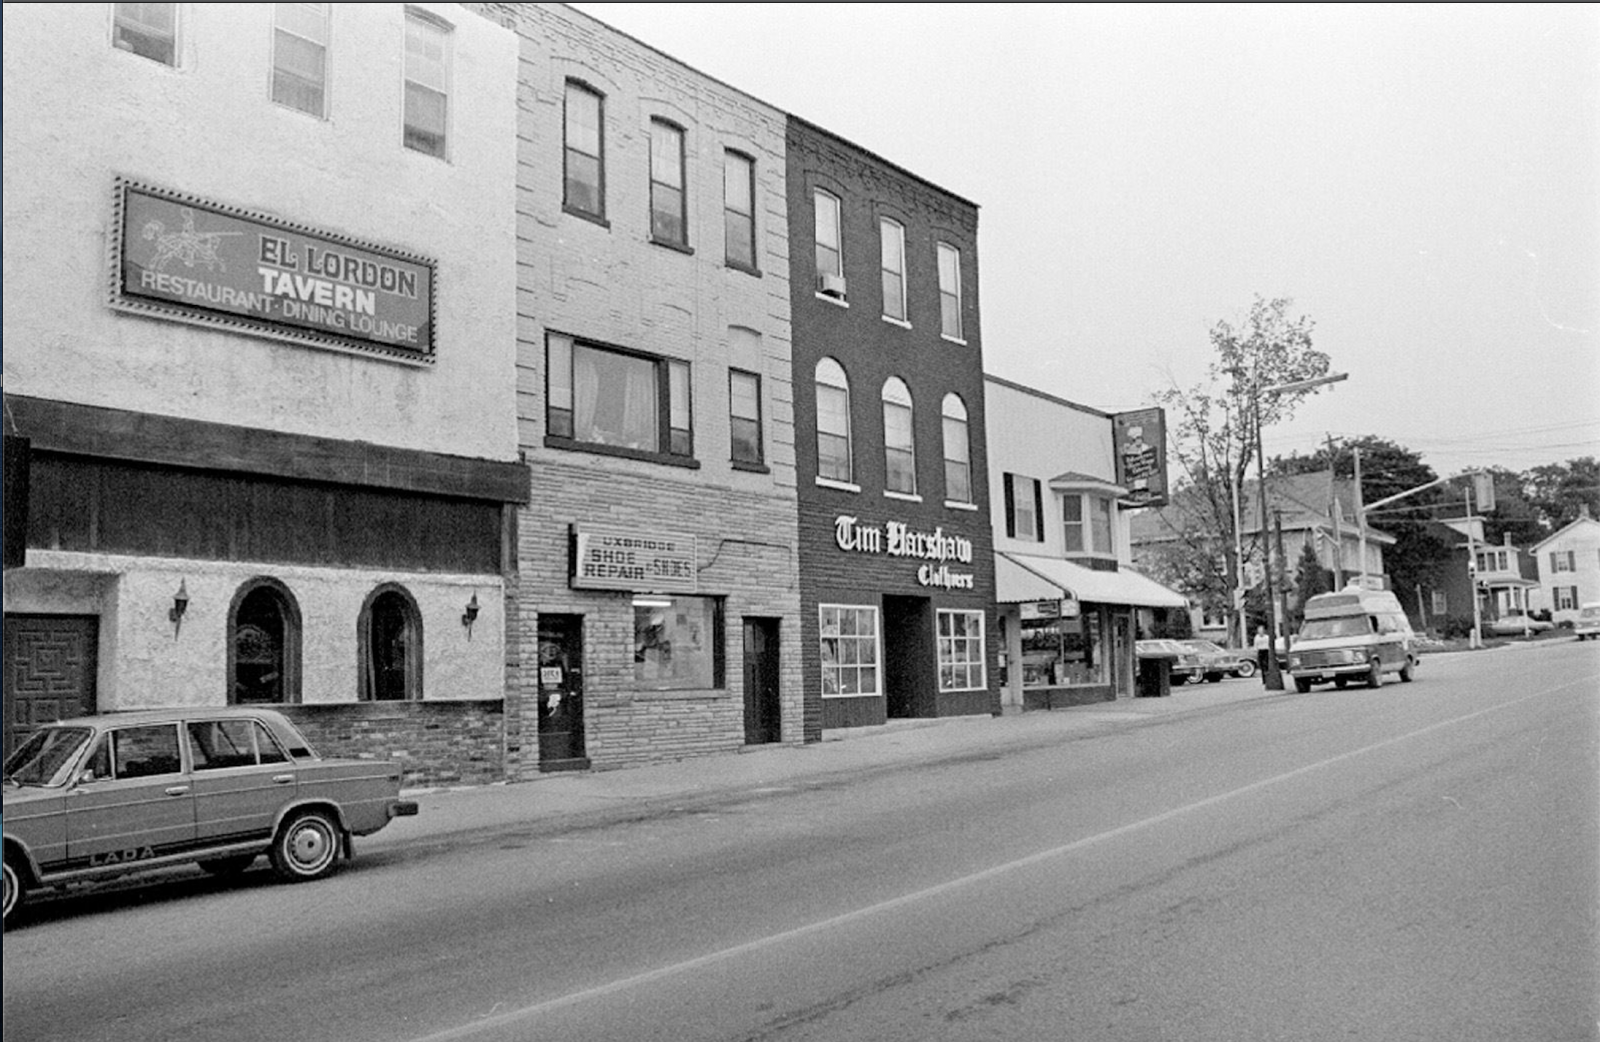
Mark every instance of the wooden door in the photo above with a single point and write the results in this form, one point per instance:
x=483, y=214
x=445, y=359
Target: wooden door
x=561, y=745
x=50, y=666
x=762, y=706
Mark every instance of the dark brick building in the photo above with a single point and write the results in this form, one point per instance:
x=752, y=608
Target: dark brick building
x=895, y=552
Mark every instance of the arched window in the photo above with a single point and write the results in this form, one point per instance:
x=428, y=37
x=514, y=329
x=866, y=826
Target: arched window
x=899, y=444
x=389, y=637
x=833, y=422
x=263, y=644
x=957, y=451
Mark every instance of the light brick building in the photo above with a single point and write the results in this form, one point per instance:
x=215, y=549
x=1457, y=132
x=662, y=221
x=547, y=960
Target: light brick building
x=656, y=597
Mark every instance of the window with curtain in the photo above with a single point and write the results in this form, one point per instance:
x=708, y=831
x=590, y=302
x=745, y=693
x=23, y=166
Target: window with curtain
x=622, y=400
x=830, y=256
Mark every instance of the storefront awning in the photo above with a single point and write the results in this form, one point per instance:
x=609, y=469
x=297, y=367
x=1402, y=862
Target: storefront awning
x=1024, y=577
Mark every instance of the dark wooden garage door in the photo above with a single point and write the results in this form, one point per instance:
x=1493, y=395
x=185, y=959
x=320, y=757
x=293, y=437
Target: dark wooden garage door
x=50, y=671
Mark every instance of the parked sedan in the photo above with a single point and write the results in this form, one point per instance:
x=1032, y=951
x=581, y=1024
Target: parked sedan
x=1517, y=625
x=101, y=796
x=1217, y=661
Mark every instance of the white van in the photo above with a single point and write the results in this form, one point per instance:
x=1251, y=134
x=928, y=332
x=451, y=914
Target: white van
x=1353, y=635
x=1587, y=624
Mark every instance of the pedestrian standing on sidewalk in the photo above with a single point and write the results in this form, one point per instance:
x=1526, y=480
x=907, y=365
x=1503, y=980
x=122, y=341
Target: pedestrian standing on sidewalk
x=1261, y=652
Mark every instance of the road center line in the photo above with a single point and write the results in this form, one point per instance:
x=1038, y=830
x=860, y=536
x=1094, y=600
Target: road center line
x=529, y=1012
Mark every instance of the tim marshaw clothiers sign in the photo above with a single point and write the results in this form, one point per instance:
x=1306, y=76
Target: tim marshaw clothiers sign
x=897, y=539
x=640, y=561
x=201, y=261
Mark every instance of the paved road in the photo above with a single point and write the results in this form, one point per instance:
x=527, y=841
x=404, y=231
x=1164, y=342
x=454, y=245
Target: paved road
x=1417, y=862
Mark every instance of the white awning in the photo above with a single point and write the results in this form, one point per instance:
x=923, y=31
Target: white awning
x=1025, y=577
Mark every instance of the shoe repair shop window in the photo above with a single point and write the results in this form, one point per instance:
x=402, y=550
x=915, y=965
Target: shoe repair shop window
x=677, y=643
x=1063, y=652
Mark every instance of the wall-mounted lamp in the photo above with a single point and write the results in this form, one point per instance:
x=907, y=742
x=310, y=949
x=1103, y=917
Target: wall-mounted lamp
x=470, y=616
x=180, y=605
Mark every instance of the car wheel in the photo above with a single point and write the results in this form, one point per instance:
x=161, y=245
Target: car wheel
x=13, y=889
x=231, y=865
x=307, y=847
x=1407, y=671
x=1340, y=683
x=1302, y=686
x=1375, y=674
x=1246, y=669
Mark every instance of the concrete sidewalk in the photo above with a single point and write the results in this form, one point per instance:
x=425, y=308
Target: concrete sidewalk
x=589, y=798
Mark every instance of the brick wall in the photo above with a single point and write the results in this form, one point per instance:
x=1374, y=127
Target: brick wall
x=436, y=743
x=871, y=350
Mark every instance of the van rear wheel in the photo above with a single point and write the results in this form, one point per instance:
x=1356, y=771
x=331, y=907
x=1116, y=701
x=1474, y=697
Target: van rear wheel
x=1407, y=671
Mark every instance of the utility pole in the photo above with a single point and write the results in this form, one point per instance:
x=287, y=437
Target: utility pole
x=1361, y=522
x=1336, y=510
x=1476, y=641
x=1283, y=562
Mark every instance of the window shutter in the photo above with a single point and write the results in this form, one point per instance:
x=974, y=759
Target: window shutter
x=1011, y=506
x=1038, y=509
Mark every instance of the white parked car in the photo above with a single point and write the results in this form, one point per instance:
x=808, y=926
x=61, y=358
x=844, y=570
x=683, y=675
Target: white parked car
x=1517, y=625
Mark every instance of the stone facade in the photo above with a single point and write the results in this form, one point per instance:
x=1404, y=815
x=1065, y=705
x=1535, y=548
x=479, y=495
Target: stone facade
x=599, y=277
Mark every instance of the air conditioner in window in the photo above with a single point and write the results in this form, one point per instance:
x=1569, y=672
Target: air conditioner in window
x=830, y=285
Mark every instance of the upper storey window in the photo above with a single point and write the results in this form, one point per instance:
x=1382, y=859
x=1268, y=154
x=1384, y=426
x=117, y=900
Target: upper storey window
x=427, y=84
x=585, y=191
x=668, y=220
x=739, y=210
x=830, y=256
x=300, y=57
x=893, y=241
x=950, y=291
x=148, y=30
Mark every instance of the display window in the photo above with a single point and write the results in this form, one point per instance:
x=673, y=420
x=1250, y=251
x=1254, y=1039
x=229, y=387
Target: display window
x=1063, y=652
x=677, y=642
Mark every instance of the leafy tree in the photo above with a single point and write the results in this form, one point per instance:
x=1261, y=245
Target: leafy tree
x=1387, y=469
x=1212, y=433
x=1557, y=491
x=1310, y=579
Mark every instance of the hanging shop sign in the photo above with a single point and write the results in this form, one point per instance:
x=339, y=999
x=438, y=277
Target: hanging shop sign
x=186, y=258
x=897, y=539
x=1032, y=611
x=637, y=560
x=1140, y=442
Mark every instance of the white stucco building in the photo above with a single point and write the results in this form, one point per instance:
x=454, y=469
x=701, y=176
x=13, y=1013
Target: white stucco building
x=260, y=324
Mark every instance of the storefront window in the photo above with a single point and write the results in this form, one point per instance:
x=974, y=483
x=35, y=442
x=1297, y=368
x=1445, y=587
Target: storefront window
x=849, y=650
x=677, y=642
x=961, y=651
x=1062, y=652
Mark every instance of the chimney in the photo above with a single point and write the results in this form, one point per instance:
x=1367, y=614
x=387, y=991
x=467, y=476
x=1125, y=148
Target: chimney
x=1583, y=512
x=1506, y=539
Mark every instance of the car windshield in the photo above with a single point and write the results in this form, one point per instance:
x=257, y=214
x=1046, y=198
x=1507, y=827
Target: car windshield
x=1322, y=629
x=45, y=755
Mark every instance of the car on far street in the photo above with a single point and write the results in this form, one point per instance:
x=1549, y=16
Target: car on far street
x=1517, y=625
x=1183, y=664
x=1587, y=625
x=1217, y=661
x=95, y=797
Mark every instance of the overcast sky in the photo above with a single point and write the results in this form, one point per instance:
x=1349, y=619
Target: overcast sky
x=1423, y=182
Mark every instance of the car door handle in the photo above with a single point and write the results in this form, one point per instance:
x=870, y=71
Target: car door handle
x=282, y=779
x=177, y=790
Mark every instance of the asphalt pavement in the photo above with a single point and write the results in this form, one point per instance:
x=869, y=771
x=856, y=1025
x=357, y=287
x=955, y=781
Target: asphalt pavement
x=586, y=798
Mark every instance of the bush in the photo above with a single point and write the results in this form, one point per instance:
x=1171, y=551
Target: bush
x=1453, y=626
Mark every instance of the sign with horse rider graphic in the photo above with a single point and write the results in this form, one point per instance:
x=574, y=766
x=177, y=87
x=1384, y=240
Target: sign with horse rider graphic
x=182, y=257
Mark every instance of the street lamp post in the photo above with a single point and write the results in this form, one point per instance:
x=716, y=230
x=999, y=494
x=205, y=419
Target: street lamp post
x=1273, y=676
